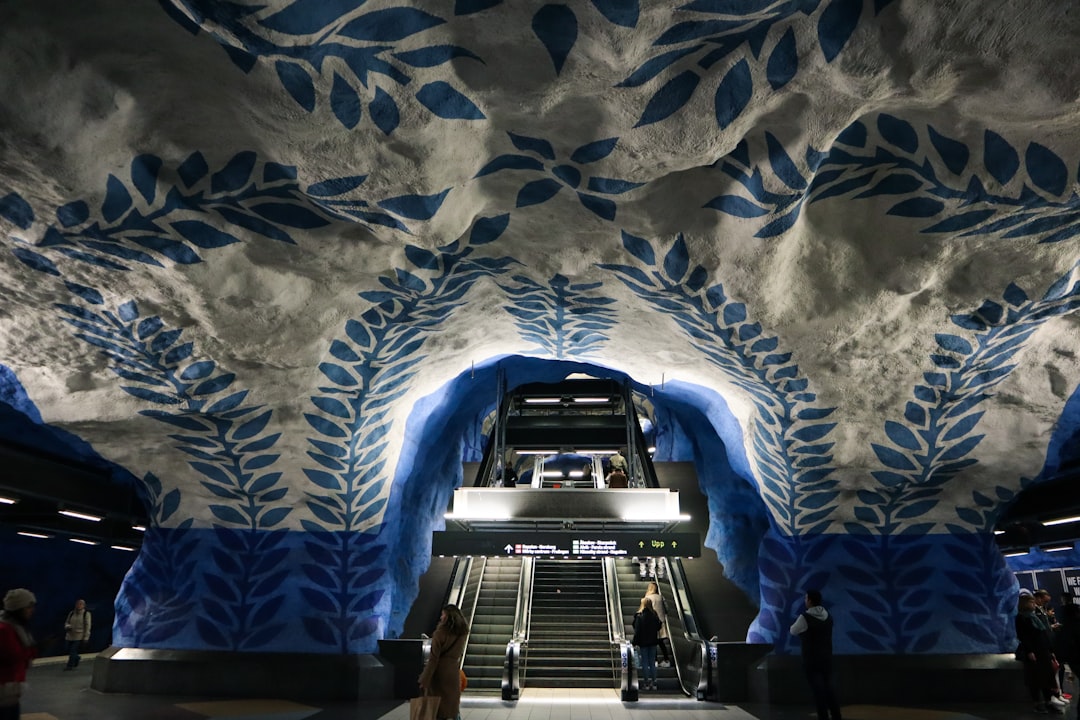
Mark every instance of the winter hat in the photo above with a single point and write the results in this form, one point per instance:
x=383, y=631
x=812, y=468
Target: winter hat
x=18, y=599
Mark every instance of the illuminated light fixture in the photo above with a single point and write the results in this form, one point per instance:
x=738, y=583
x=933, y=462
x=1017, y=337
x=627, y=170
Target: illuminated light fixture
x=684, y=518
x=82, y=542
x=999, y=532
x=140, y=528
x=537, y=452
x=1016, y=554
x=552, y=473
x=1055, y=548
x=576, y=473
x=7, y=500
x=592, y=399
x=1061, y=521
x=596, y=452
x=27, y=533
x=543, y=401
x=122, y=547
x=652, y=450
x=82, y=516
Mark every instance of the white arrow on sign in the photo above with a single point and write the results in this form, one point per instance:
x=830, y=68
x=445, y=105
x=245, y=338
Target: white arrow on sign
x=509, y=549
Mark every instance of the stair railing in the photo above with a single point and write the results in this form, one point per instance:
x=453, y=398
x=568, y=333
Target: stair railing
x=517, y=648
x=624, y=661
x=690, y=649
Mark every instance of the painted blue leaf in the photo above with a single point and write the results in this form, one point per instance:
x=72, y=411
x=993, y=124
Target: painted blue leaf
x=467, y=7
x=290, y=215
x=1044, y=224
x=836, y=25
x=324, y=426
x=273, y=172
x=893, y=185
x=530, y=144
x=235, y=175
x=953, y=343
x=35, y=261
x=345, y=102
x=226, y=404
x=74, y=213
x=320, y=630
x=601, y=207
x=442, y=99
x=670, y=98
x=892, y=458
x=396, y=23
x=88, y=294
x=945, y=361
x=252, y=427
x=415, y=207
x=336, y=186
x=963, y=427
x=961, y=221
x=783, y=61
x=898, y=132
x=510, y=162
x=594, y=151
x=961, y=449
x=434, y=55
x=639, y=248
x=304, y=17
x=198, y=370
x=296, y=80
x=175, y=251
x=736, y=206
x=384, y=111
x=734, y=313
x=213, y=385
x=117, y=199
x=228, y=514
x=568, y=174
x=489, y=229
x=780, y=225
x=916, y=509
x=338, y=374
x=536, y=192
x=1058, y=289
x=150, y=395
x=203, y=235
x=1046, y=169
x=421, y=258
x=193, y=169
x=953, y=153
x=144, y=174
x=677, y=260
x=812, y=433
x=854, y=135
x=657, y=65
x=921, y=207
x=782, y=164
x=620, y=12
x=999, y=157
x=556, y=27
x=733, y=94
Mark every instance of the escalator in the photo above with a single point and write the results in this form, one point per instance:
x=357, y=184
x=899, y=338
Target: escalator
x=568, y=643
x=492, y=623
x=631, y=589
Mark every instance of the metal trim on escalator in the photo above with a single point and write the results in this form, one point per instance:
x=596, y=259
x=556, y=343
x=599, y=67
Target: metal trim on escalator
x=517, y=647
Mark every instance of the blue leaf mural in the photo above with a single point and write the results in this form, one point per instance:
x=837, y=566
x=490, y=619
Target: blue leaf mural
x=563, y=319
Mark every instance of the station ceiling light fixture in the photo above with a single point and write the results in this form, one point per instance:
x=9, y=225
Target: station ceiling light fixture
x=4, y=500
x=81, y=515
x=1019, y=553
x=31, y=534
x=83, y=542
x=1056, y=548
x=139, y=528
x=1061, y=521
x=122, y=547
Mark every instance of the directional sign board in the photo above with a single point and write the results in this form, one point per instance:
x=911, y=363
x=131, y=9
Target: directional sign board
x=565, y=544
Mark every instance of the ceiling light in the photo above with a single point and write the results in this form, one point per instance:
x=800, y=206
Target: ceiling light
x=122, y=547
x=82, y=542
x=543, y=401
x=27, y=533
x=596, y=452
x=1055, y=548
x=537, y=452
x=999, y=532
x=1016, y=554
x=652, y=450
x=1061, y=521
x=576, y=473
x=82, y=516
x=7, y=500
x=553, y=473
x=140, y=528
x=592, y=399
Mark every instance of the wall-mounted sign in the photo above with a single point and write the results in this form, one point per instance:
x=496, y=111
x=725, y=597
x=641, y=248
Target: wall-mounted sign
x=522, y=543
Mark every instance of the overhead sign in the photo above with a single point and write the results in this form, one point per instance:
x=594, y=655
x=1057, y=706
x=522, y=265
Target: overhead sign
x=565, y=544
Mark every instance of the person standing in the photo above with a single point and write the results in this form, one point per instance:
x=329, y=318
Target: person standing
x=814, y=628
x=652, y=593
x=442, y=673
x=647, y=637
x=76, y=632
x=618, y=462
x=1036, y=651
x=17, y=649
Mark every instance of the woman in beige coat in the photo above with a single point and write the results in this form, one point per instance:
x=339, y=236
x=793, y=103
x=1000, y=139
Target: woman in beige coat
x=653, y=594
x=442, y=674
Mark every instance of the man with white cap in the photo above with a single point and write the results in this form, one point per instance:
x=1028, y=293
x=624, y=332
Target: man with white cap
x=17, y=649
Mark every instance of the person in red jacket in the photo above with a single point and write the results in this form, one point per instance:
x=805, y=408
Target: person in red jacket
x=17, y=649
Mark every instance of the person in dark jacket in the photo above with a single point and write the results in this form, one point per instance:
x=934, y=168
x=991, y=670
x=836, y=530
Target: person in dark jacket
x=814, y=628
x=647, y=637
x=1037, y=652
x=17, y=649
x=442, y=674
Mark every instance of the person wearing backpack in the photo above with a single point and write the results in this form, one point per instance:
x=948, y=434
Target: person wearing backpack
x=814, y=629
x=1037, y=653
x=76, y=632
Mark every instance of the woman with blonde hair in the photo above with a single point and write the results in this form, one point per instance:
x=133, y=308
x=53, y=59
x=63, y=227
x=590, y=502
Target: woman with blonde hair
x=442, y=674
x=653, y=594
x=647, y=637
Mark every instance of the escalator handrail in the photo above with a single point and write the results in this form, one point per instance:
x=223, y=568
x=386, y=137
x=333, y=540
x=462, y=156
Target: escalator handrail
x=459, y=581
x=621, y=646
x=684, y=607
x=512, y=665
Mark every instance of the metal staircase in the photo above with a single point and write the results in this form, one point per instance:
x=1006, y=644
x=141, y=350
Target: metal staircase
x=569, y=643
x=492, y=624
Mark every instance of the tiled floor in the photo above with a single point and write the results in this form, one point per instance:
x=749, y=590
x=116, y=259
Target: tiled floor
x=57, y=695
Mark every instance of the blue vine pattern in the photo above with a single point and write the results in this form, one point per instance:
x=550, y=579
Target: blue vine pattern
x=717, y=29
x=935, y=172
x=791, y=453
x=373, y=366
x=362, y=51
x=561, y=318
x=565, y=174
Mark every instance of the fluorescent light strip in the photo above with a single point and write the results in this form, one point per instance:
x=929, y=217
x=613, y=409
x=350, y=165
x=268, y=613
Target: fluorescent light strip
x=652, y=450
x=1056, y=548
x=122, y=547
x=1017, y=554
x=543, y=401
x=592, y=400
x=82, y=542
x=999, y=532
x=81, y=516
x=552, y=473
x=140, y=528
x=537, y=452
x=1061, y=521
x=595, y=452
x=7, y=500
x=26, y=533
x=576, y=473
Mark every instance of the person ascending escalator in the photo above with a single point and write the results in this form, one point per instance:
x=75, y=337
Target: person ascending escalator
x=652, y=593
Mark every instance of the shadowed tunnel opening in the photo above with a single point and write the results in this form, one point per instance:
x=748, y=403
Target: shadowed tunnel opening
x=693, y=424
